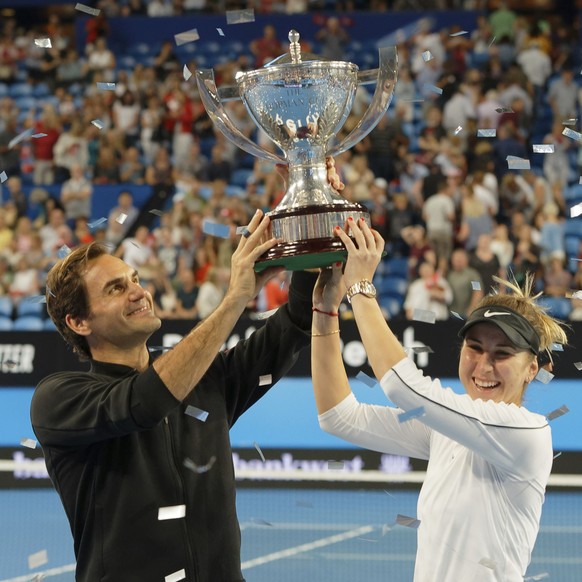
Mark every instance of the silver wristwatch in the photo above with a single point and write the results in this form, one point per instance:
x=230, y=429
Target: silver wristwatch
x=364, y=287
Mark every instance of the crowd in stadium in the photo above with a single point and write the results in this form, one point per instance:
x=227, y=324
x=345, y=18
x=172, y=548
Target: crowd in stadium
x=433, y=173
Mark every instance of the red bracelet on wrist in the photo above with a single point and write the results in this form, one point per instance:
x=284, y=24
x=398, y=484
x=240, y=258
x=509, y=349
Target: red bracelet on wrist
x=330, y=313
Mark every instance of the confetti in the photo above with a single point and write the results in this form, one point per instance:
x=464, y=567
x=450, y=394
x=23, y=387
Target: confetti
x=220, y=31
x=189, y=464
x=38, y=135
x=43, y=42
x=543, y=148
x=492, y=41
x=476, y=285
x=159, y=348
x=458, y=130
x=575, y=211
x=265, y=380
x=424, y=315
x=557, y=455
x=460, y=33
x=63, y=252
x=196, y=413
x=504, y=110
x=365, y=379
x=241, y=230
x=87, y=9
x=176, y=576
x=266, y=314
x=486, y=132
x=572, y=134
x=458, y=316
x=96, y=223
x=20, y=137
x=106, y=86
x=557, y=348
x=28, y=443
x=414, y=413
x=215, y=229
x=422, y=350
x=259, y=451
x=240, y=16
x=171, y=512
x=544, y=376
x=433, y=88
x=517, y=163
x=35, y=299
x=571, y=121
x=488, y=563
x=407, y=521
x=98, y=123
x=578, y=365
x=121, y=218
x=558, y=412
x=156, y=212
x=186, y=72
x=38, y=559
x=427, y=56
x=580, y=180
x=186, y=37
x=535, y=577
x=335, y=465
x=3, y=177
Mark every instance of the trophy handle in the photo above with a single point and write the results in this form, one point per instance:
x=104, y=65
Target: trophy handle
x=385, y=76
x=217, y=113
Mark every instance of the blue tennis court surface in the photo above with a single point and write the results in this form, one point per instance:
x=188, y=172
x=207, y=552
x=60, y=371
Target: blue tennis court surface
x=294, y=534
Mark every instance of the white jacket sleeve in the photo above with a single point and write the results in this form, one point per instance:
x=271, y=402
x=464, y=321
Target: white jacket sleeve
x=376, y=428
x=508, y=436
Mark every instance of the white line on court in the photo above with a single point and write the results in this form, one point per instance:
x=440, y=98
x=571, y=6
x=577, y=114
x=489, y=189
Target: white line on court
x=307, y=547
x=51, y=572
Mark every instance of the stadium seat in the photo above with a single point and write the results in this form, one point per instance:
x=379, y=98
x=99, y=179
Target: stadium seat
x=573, y=227
x=559, y=307
x=6, y=324
x=391, y=305
x=240, y=176
x=30, y=307
x=397, y=267
x=572, y=245
x=28, y=323
x=6, y=306
x=49, y=325
x=393, y=286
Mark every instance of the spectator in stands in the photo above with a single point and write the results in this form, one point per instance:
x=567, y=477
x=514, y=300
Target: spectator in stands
x=563, y=95
x=72, y=69
x=557, y=279
x=186, y=295
x=25, y=280
x=16, y=195
x=9, y=57
x=552, y=241
x=537, y=66
x=137, y=252
x=219, y=168
x=101, y=62
x=49, y=124
x=211, y=292
x=156, y=8
x=71, y=148
x=359, y=178
x=430, y=292
x=465, y=283
x=10, y=156
x=507, y=144
x=431, y=134
x=557, y=164
x=502, y=20
x=125, y=114
x=54, y=231
x=162, y=292
x=527, y=254
x=116, y=229
x=503, y=247
x=131, y=168
x=151, y=132
x=6, y=233
x=166, y=61
x=76, y=195
x=460, y=108
x=106, y=170
x=276, y=291
x=576, y=313
x=485, y=262
x=266, y=47
x=476, y=219
x=334, y=39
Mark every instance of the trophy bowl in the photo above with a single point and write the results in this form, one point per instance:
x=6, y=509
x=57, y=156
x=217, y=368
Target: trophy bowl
x=301, y=103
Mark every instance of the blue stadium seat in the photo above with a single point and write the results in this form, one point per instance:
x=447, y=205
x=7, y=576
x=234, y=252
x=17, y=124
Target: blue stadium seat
x=240, y=176
x=397, y=267
x=572, y=245
x=3, y=89
x=6, y=324
x=392, y=305
x=559, y=307
x=20, y=90
x=573, y=227
x=49, y=324
x=28, y=323
x=29, y=307
x=6, y=306
x=393, y=286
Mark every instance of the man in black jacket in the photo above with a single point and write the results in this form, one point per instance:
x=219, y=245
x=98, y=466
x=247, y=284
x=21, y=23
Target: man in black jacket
x=130, y=436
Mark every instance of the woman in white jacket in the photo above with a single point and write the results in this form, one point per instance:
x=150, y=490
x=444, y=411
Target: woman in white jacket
x=489, y=458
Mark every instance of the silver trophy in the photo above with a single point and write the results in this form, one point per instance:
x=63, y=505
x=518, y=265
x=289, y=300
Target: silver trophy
x=301, y=102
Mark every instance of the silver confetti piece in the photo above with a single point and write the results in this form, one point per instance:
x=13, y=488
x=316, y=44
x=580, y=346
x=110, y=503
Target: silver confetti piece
x=241, y=229
x=171, y=512
x=38, y=135
x=98, y=123
x=504, y=110
x=265, y=380
x=557, y=348
x=558, y=412
x=578, y=365
x=571, y=121
x=460, y=33
x=424, y=315
x=433, y=88
x=176, y=576
x=335, y=465
x=240, y=16
x=28, y=443
x=458, y=130
x=576, y=210
x=35, y=299
x=572, y=134
x=121, y=218
x=3, y=177
x=409, y=415
x=20, y=137
x=476, y=285
x=256, y=445
x=156, y=212
x=557, y=455
x=427, y=56
x=543, y=148
x=266, y=314
x=43, y=42
x=186, y=37
x=422, y=350
x=196, y=413
x=87, y=9
x=106, y=86
x=37, y=559
x=186, y=73
x=536, y=577
x=457, y=315
x=63, y=252
x=517, y=163
x=544, y=376
x=97, y=222
x=365, y=379
x=486, y=132
x=407, y=521
x=220, y=31
x=215, y=229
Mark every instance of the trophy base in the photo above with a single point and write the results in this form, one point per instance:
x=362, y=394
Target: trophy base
x=302, y=255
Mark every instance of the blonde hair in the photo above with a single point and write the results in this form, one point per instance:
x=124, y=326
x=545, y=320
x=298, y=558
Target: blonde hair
x=523, y=301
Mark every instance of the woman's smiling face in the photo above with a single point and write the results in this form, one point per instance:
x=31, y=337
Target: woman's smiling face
x=492, y=368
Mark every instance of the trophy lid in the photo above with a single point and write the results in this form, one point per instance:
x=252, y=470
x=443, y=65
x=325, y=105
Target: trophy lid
x=294, y=56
